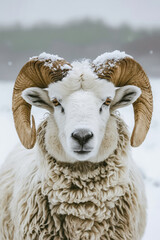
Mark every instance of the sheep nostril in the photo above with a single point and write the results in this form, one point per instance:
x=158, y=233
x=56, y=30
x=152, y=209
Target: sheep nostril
x=82, y=136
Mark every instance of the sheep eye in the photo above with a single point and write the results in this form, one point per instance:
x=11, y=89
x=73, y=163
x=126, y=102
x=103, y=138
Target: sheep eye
x=55, y=102
x=107, y=102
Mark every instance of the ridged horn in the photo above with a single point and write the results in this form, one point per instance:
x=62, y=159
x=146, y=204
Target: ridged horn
x=35, y=73
x=127, y=71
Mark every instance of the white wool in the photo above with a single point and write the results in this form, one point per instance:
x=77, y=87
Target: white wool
x=115, y=56
x=81, y=76
x=36, y=191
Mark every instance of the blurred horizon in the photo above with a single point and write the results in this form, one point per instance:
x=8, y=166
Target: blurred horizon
x=137, y=14
x=40, y=24
x=76, y=40
x=78, y=29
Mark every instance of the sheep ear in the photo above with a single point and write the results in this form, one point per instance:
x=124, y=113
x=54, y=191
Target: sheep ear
x=37, y=97
x=124, y=96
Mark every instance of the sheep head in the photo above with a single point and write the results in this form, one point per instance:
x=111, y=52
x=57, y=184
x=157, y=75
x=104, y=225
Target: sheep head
x=82, y=100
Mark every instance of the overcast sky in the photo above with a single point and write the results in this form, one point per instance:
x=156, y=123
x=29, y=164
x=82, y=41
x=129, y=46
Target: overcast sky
x=137, y=13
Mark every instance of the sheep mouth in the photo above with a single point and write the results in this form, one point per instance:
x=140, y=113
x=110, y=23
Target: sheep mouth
x=82, y=152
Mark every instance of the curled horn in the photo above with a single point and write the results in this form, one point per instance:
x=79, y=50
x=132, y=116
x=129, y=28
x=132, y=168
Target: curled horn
x=127, y=71
x=35, y=73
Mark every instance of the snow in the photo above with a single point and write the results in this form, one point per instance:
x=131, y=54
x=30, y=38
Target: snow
x=49, y=59
x=147, y=156
x=115, y=56
x=10, y=63
x=66, y=67
x=46, y=56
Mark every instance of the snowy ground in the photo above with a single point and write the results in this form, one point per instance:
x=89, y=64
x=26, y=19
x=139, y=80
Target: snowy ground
x=147, y=156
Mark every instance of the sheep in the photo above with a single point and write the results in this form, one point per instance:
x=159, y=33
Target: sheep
x=74, y=178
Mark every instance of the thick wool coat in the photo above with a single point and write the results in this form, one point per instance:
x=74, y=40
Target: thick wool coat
x=43, y=199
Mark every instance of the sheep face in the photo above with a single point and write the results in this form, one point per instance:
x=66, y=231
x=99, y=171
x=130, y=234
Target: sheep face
x=79, y=124
x=81, y=119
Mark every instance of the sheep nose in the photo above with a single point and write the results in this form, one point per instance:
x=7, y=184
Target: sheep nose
x=82, y=136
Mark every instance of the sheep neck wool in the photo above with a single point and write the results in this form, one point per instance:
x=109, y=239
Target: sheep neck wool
x=85, y=199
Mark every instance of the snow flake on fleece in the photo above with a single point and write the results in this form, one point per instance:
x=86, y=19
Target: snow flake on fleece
x=113, y=56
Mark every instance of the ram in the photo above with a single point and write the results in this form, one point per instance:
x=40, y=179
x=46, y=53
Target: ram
x=74, y=178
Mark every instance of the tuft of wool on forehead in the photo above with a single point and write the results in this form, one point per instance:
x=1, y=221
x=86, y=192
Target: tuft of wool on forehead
x=80, y=77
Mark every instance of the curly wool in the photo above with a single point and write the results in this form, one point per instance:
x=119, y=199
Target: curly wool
x=81, y=201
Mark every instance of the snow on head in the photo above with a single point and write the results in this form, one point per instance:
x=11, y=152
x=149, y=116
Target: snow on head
x=114, y=56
